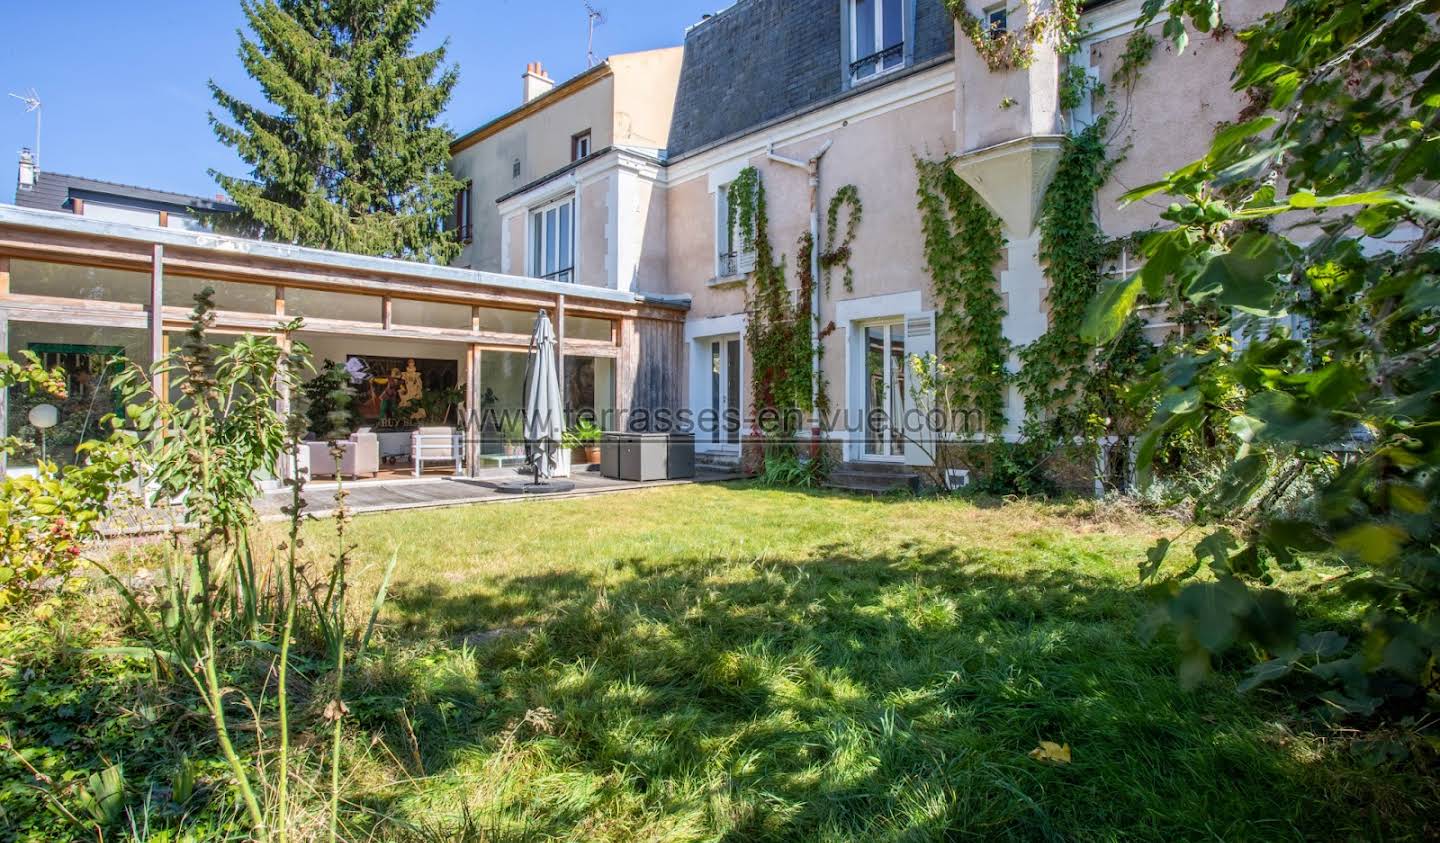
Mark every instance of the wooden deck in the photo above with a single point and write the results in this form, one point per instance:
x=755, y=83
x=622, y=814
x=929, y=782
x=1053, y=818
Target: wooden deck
x=384, y=495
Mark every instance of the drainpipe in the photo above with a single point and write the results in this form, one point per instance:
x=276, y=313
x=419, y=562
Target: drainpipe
x=812, y=167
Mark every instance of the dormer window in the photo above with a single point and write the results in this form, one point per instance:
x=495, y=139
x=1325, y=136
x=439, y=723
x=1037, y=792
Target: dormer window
x=877, y=37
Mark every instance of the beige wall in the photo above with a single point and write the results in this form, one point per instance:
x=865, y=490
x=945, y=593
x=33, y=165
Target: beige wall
x=993, y=107
x=1172, y=116
x=645, y=86
x=593, y=240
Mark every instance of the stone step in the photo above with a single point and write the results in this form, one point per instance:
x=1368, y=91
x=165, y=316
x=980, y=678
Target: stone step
x=871, y=482
x=884, y=469
x=715, y=460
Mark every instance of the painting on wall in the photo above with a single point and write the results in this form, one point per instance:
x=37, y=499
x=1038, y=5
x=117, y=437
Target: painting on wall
x=405, y=391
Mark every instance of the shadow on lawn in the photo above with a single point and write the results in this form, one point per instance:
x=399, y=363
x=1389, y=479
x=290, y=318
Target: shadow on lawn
x=845, y=697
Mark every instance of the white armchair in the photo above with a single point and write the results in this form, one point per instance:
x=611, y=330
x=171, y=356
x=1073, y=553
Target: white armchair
x=435, y=444
x=361, y=457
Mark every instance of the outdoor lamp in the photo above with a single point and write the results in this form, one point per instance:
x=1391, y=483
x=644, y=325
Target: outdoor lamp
x=42, y=418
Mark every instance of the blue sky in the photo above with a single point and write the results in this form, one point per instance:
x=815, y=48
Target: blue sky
x=124, y=81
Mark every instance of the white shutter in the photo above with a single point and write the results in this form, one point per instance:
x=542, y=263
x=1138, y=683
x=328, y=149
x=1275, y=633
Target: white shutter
x=919, y=439
x=745, y=263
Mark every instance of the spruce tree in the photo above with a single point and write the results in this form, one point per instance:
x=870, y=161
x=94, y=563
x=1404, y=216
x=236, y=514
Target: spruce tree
x=351, y=156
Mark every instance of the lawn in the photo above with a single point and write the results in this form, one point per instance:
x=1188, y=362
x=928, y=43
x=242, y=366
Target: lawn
x=738, y=663
x=728, y=662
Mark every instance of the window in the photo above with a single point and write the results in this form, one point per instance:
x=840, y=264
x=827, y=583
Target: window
x=464, y=231
x=552, y=241
x=997, y=21
x=877, y=37
x=515, y=169
x=580, y=146
x=732, y=259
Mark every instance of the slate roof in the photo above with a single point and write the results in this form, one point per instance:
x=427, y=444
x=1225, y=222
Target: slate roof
x=53, y=192
x=763, y=60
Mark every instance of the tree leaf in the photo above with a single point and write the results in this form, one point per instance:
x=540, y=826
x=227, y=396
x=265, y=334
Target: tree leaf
x=1049, y=752
x=1264, y=672
x=1108, y=311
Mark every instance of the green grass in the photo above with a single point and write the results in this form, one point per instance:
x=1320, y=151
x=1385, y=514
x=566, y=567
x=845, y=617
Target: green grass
x=736, y=663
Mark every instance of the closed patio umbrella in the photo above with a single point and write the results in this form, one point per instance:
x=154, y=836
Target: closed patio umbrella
x=544, y=408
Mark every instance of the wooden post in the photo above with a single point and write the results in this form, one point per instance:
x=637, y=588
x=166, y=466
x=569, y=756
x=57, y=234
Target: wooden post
x=472, y=410
x=279, y=301
x=386, y=313
x=4, y=278
x=157, y=317
x=560, y=347
x=164, y=219
x=475, y=318
x=285, y=467
x=77, y=207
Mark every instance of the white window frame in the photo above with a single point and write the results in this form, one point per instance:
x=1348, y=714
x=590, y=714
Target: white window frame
x=734, y=261
x=857, y=52
x=535, y=251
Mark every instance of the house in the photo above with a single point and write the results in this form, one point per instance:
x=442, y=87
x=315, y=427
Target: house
x=546, y=182
x=105, y=200
x=606, y=200
x=817, y=95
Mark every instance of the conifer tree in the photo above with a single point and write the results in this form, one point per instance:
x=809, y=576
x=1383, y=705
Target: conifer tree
x=351, y=156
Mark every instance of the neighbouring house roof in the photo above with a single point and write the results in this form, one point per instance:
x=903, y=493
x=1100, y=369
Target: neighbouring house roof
x=761, y=61
x=54, y=192
x=183, y=238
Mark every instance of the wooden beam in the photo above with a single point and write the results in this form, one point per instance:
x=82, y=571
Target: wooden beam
x=77, y=207
x=164, y=219
x=387, y=313
x=118, y=253
x=280, y=301
x=157, y=315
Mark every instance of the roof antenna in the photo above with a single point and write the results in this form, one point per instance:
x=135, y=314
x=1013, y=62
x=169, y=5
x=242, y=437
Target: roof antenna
x=597, y=17
x=32, y=103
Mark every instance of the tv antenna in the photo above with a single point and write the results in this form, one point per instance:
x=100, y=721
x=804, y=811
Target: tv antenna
x=597, y=18
x=32, y=103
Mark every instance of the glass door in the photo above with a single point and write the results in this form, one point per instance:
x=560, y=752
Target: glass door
x=724, y=394
x=884, y=362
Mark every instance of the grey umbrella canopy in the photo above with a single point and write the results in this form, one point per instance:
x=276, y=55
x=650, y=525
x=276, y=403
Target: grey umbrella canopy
x=544, y=408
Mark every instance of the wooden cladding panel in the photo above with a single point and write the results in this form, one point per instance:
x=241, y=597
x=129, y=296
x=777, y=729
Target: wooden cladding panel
x=651, y=366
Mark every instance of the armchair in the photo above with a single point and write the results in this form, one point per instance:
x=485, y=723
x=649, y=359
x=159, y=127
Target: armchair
x=435, y=444
x=361, y=457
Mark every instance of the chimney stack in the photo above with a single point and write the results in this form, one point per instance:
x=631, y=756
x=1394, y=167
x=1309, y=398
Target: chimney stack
x=27, y=170
x=537, y=81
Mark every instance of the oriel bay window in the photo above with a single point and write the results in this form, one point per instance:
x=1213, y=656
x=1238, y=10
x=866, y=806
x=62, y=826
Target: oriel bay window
x=877, y=37
x=552, y=241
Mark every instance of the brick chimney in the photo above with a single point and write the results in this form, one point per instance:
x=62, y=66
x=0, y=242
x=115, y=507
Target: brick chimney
x=27, y=170
x=537, y=81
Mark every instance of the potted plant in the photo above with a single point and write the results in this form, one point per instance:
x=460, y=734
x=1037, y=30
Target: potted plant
x=584, y=439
